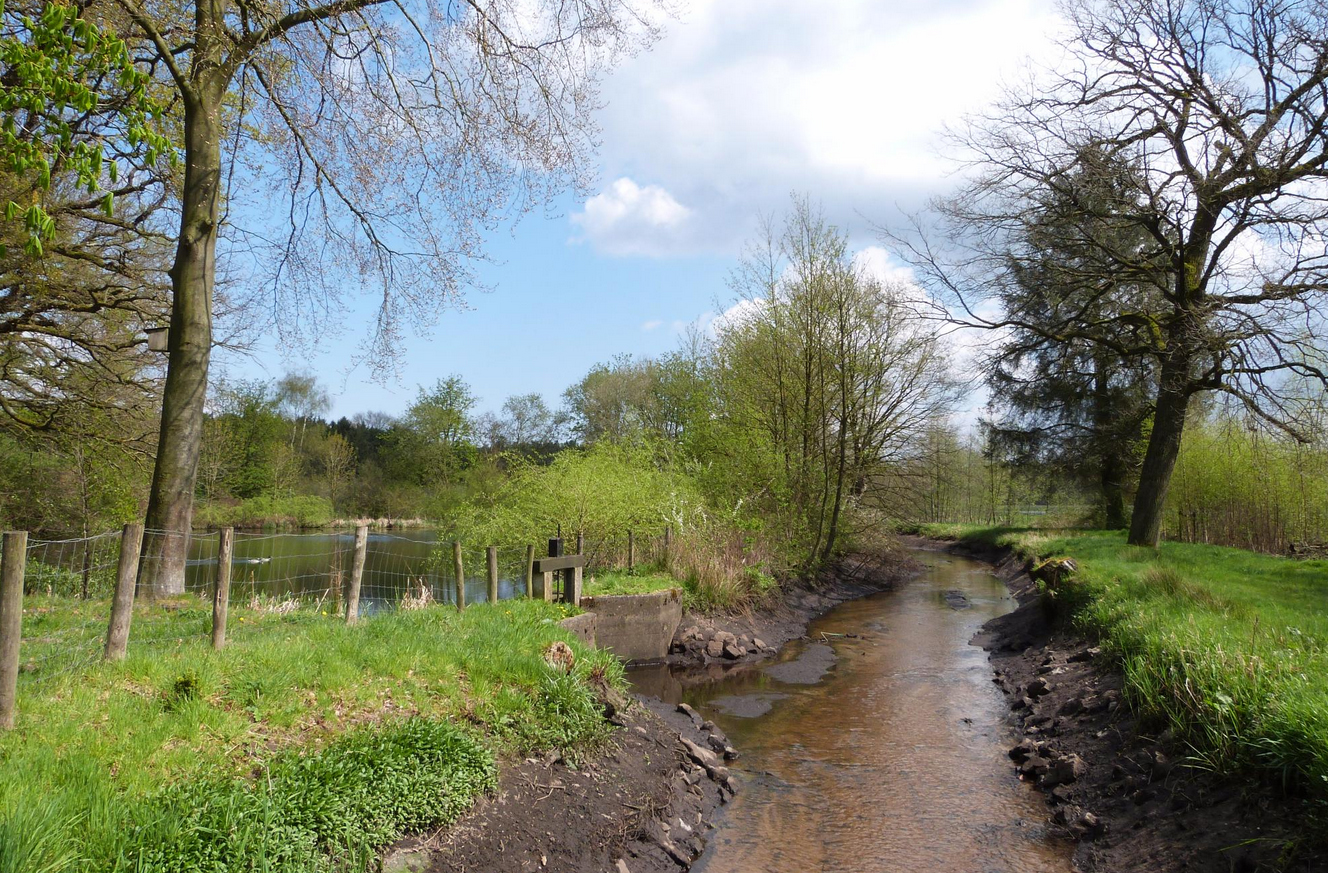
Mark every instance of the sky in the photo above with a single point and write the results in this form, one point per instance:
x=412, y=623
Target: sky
x=740, y=105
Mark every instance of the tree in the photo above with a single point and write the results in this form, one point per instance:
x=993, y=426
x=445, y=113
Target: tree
x=613, y=400
x=1067, y=406
x=338, y=460
x=402, y=133
x=434, y=441
x=824, y=380
x=1220, y=105
x=301, y=400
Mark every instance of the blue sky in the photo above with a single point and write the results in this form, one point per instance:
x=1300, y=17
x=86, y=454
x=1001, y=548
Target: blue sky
x=740, y=104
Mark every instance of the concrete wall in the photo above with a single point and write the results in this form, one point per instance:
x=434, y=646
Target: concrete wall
x=635, y=627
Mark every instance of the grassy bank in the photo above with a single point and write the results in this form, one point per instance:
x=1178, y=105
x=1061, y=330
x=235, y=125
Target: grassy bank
x=1229, y=648
x=304, y=745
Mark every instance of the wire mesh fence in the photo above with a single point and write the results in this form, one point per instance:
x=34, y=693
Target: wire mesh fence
x=68, y=583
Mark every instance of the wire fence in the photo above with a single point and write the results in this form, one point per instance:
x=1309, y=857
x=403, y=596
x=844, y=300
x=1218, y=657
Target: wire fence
x=68, y=585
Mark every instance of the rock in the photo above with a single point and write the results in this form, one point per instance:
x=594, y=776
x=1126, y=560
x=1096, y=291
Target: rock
x=714, y=649
x=733, y=651
x=725, y=637
x=1159, y=764
x=692, y=633
x=704, y=757
x=1063, y=769
x=1087, y=825
x=760, y=644
x=690, y=713
x=1086, y=655
x=1034, y=767
x=1073, y=706
x=1044, y=669
x=1022, y=703
x=1023, y=750
x=1059, y=794
x=621, y=867
x=744, y=641
x=1094, y=705
x=1039, y=687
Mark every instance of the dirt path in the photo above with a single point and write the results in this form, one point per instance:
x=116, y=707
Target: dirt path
x=1131, y=797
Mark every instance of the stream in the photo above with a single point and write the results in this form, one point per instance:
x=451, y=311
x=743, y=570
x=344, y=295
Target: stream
x=876, y=745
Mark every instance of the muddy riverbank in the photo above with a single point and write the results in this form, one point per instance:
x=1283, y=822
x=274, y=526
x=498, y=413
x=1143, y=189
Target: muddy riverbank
x=1133, y=799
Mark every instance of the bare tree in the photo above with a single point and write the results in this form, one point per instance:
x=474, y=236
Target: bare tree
x=382, y=140
x=1220, y=108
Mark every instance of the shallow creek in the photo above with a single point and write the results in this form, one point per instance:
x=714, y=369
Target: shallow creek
x=878, y=744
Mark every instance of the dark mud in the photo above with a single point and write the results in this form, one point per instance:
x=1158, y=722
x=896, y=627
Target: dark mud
x=641, y=805
x=1132, y=798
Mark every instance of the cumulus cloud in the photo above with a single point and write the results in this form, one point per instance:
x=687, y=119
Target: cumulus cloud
x=631, y=219
x=744, y=101
x=653, y=324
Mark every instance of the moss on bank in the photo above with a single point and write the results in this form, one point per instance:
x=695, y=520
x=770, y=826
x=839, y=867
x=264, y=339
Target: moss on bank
x=1226, y=647
x=304, y=745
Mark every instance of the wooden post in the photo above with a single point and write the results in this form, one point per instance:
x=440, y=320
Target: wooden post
x=631, y=552
x=572, y=586
x=493, y=574
x=668, y=536
x=122, y=605
x=357, y=574
x=221, y=599
x=460, y=576
x=530, y=571
x=580, y=544
x=12, y=566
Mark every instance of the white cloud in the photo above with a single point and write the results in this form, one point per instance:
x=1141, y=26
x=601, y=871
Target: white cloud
x=653, y=324
x=631, y=219
x=744, y=101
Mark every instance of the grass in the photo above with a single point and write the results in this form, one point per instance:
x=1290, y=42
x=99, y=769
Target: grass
x=1227, y=647
x=623, y=582
x=304, y=745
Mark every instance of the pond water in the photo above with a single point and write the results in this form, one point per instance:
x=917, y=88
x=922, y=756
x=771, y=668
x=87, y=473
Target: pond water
x=878, y=744
x=313, y=565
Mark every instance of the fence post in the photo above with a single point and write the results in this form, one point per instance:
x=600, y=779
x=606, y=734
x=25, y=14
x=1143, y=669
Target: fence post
x=580, y=544
x=631, y=552
x=356, y=574
x=530, y=571
x=493, y=574
x=122, y=604
x=460, y=570
x=668, y=537
x=221, y=599
x=11, y=620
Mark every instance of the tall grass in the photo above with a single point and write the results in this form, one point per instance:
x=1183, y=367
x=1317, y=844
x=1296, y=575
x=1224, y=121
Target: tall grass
x=304, y=745
x=1226, y=647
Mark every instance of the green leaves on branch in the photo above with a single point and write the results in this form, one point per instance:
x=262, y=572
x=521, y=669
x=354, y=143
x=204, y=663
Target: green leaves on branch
x=72, y=91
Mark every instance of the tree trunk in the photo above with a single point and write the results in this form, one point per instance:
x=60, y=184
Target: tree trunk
x=1113, y=493
x=171, y=500
x=1173, y=401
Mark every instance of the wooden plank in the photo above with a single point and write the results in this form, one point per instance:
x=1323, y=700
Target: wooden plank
x=572, y=586
x=566, y=562
x=547, y=585
x=12, y=565
x=221, y=600
x=122, y=604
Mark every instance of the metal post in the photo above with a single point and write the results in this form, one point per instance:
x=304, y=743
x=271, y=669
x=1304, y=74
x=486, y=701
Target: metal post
x=122, y=604
x=221, y=600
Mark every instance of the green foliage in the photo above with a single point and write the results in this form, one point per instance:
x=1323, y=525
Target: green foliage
x=63, y=69
x=1237, y=484
x=602, y=492
x=329, y=810
x=300, y=511
x=622, y=582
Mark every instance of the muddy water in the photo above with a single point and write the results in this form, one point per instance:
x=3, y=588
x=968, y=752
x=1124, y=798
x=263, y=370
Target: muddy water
x=878, y=745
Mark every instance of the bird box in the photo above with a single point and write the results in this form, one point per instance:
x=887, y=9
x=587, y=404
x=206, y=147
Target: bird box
x=158, y=338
